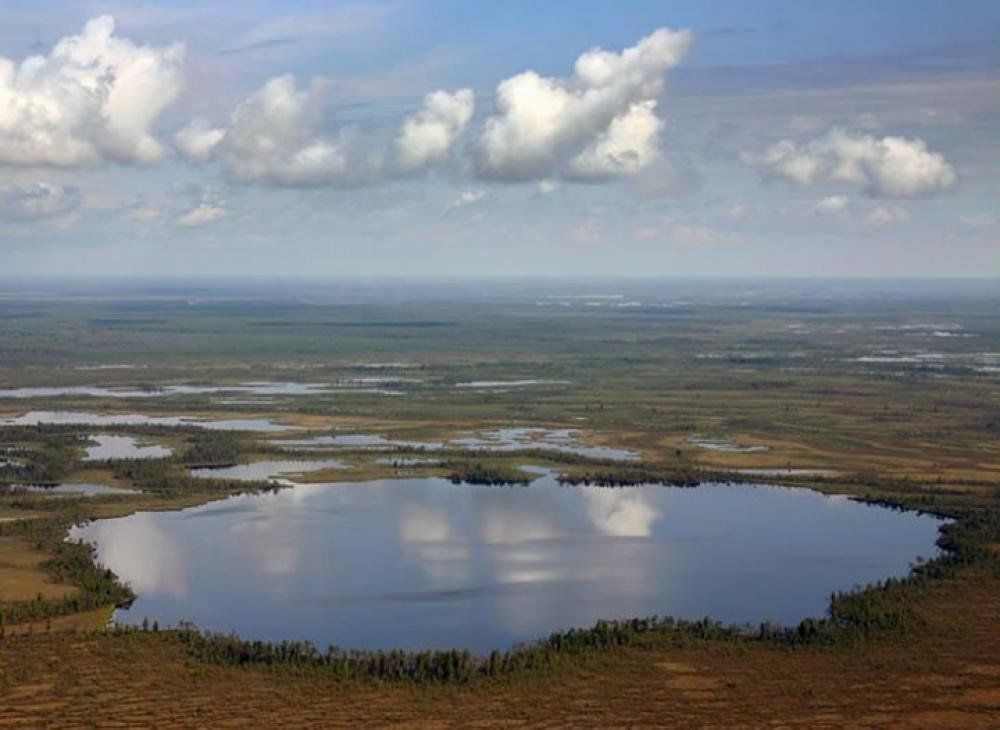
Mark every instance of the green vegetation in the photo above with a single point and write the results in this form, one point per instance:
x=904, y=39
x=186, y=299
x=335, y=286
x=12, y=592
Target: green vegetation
x=445, y=666
x=47, y=457
x=491, y=474
x=215, y=448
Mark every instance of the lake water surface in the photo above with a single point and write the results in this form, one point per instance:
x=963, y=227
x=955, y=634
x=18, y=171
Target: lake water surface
x=110, y=446
x=34, y=418
x=266, y=470
x=75, y=489
x=520, y=438
x=160, y=391
x=417, y=563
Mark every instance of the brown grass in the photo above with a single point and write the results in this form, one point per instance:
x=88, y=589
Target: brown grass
x=947, y=676
x=21, y=578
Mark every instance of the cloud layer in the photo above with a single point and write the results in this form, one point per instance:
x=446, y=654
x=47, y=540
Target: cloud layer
x=891, y=167
x=601, y=123
x=94, y=98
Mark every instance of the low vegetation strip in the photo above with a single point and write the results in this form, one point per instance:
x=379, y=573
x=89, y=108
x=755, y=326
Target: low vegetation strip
x=449, y=665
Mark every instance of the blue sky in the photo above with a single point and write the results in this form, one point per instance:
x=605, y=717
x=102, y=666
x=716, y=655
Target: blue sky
x=429, y=138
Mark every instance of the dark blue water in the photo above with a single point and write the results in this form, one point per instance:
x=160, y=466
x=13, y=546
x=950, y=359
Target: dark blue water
x=417, y=563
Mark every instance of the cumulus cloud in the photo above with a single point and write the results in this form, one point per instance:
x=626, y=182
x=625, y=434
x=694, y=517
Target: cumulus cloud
x=198, y=140
x=278, y=136
x=884, y=215
x=427, y=136
x=630, y=143
x=37, y=202
x=598, y=123
x=891, y=167
x=201, y=215
x=94, y=98
x=830, y=205
x=467, y=197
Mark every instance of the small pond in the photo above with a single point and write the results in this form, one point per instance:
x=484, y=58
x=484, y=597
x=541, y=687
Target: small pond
x=161, y=391
x=419, y=563
x=109, y=446
x=364, y=441
x=267, y=470
x=726, y=446
x=33, y=418
x=564, y=440
x=489, y=384
x=78, y=490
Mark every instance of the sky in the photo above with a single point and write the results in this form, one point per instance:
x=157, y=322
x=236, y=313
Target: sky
x=439, y=138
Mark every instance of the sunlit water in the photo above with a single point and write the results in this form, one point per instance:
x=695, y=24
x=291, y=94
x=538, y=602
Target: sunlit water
x=365, y=441
x=34, y=418
x=78, y=490
x=520, y=438
x=267, y=470
x=417, y=563
x=160, y=391
x=564, y=440
x=109, y=446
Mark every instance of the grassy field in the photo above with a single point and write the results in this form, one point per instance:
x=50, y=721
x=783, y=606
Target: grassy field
x=892, y=389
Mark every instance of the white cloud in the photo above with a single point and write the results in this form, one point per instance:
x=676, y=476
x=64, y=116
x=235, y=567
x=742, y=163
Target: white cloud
x=198, y=140
x=892, y=167
x=468, y=197
x=201, y=215
x=36, y=202
x=600, y=117
x=884, y=215
x=278, y=136
x=94, y=98
x=830, y=205
x=600, y=123
x=630, y=143
x=427, y=136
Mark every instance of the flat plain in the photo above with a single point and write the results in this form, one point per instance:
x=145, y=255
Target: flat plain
x=885, y=391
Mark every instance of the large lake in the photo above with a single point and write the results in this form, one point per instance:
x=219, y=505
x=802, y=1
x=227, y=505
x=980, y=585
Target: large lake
x=416, y=563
